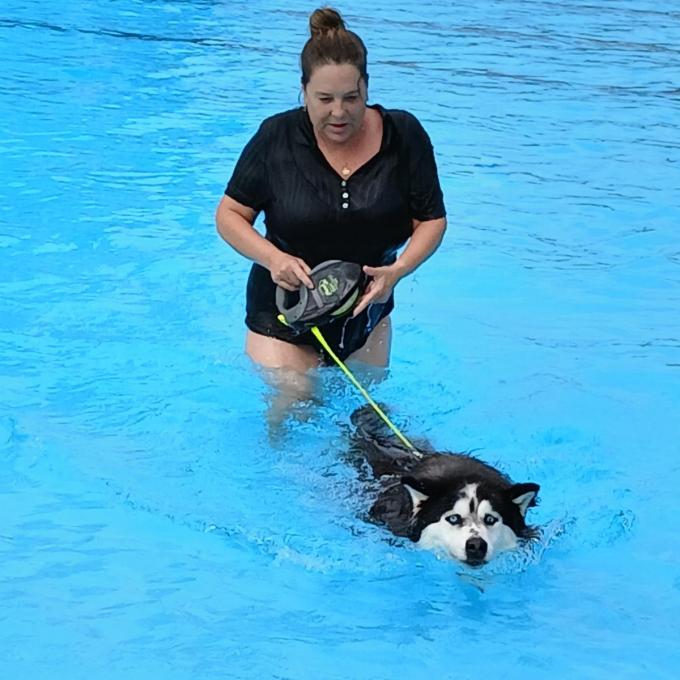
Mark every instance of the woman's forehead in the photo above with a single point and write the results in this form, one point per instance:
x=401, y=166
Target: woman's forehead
x=335, y=79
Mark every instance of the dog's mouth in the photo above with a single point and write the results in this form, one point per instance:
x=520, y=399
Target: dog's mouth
x=475, y=562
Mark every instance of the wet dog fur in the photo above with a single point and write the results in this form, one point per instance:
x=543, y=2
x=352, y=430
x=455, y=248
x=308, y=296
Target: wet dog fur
x=450, y=503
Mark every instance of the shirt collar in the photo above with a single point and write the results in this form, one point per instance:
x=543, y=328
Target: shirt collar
x=304, y=132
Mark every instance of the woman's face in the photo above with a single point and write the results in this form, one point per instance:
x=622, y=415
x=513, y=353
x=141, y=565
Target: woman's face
x=335, y=97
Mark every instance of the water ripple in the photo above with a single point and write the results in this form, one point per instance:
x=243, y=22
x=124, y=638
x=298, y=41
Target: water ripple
x=144, y=500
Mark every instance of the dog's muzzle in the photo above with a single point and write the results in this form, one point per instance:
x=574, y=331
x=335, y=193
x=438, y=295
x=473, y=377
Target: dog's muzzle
x=475, y=550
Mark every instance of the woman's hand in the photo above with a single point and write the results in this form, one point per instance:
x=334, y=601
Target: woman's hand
x=379, y=289
x=425, y=240
x=289, y=272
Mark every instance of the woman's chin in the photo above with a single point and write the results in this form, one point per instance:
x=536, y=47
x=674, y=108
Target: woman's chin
x=338, y=135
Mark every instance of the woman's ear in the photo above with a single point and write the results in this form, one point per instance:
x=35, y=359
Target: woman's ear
x=365, y=87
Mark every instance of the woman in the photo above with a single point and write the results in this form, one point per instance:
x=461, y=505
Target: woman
x=340, y=180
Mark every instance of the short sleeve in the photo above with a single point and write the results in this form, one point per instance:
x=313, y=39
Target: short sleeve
x=248, y=184
x=426, y=201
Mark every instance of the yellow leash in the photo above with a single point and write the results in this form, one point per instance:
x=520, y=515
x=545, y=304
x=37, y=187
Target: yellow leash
x=329, y=286
x=317, y=334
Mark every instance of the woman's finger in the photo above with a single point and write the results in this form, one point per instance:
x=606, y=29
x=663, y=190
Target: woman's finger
x=287, y=286
x=305, y=267
x=302, y=275
x=285, y=279
x=364, y=301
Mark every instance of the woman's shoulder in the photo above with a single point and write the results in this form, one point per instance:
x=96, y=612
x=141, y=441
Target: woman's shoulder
x=274, y=131
x=409, y=129
x=403, y=119
x=281, y=121
x=401, y=115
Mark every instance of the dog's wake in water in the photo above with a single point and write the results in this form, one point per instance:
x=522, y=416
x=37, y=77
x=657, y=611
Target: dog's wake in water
x=449, y=503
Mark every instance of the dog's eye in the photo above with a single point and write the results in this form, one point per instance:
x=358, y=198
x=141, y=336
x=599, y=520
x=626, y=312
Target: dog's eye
x=454, y=519
x=490, y=520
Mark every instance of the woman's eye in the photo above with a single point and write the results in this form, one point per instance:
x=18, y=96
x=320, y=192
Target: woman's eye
x=454, y=519
x=490, y=520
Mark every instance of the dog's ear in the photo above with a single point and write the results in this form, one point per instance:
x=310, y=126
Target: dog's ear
x=417, y=496
x=524, y=495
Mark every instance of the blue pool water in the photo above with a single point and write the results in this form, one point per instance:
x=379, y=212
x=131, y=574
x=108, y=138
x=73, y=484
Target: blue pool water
x=151, y=528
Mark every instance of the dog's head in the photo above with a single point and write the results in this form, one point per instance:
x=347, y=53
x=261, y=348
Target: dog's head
x=471, y=518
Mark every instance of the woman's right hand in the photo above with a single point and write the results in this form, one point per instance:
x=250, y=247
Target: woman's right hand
x=235, y=225
x=289, y=272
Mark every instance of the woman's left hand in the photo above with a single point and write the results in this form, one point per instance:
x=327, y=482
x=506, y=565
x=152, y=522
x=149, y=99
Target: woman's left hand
x=382, y=283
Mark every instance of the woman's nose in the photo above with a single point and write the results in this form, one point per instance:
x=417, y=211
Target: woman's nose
x=336, y=108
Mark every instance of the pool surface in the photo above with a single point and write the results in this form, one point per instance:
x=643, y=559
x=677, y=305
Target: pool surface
x=153, y=527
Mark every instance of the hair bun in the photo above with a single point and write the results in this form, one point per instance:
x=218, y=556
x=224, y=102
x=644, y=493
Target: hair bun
x=325, y=20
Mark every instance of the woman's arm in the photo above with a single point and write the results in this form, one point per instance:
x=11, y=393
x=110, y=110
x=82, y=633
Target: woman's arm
x=425, y=240
x=427, y=236
x=235, y=225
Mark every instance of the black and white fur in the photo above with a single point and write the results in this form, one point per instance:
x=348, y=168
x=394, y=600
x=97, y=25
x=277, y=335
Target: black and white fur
x=447, y=502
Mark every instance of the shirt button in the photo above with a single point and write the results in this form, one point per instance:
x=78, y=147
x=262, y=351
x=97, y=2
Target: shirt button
x=345, y=195
x=343, y=183
x=345, y=205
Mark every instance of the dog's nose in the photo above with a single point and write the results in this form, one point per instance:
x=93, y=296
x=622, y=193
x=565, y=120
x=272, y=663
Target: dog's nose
x=475, y=548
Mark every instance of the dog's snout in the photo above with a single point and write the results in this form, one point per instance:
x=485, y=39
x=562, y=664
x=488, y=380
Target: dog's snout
x=475, y=548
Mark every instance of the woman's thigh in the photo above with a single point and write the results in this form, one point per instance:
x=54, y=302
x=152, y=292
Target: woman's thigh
x=286, y=368
x=274, y=353
x=376, y=350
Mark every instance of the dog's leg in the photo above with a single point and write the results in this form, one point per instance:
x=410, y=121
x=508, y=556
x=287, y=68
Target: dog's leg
x=394, y=509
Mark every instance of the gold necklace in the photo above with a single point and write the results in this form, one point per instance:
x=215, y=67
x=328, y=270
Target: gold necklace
x=346, y=170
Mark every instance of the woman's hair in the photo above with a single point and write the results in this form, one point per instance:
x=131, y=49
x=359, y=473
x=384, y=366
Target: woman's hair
x=331, y=43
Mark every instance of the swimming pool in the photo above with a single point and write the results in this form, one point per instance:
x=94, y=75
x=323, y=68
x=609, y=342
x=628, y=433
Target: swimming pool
x=151, y=528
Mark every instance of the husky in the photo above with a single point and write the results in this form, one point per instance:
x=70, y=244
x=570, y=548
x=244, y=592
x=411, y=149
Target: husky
x=451, y=503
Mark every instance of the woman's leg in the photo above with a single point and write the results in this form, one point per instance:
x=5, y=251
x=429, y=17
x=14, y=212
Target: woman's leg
x=376, y=350
x=286, y=369
x=274, y=353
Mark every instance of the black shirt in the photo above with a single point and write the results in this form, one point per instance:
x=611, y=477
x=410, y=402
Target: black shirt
x=313, y=213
